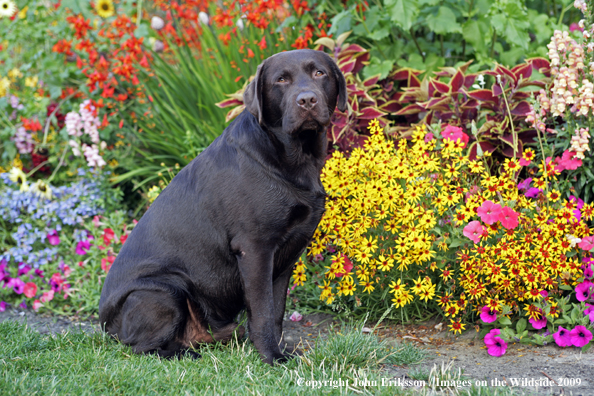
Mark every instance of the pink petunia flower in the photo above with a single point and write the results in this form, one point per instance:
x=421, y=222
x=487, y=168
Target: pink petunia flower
x=30, y=289
x=568, y=161
x=587, y=243
x=82, y=247
x=488, y=315
x=454, y=133
x=538, y=323
x=53, y=238
x=36, y=305
x=348, y=266
x=474, y=231
x=489, y=212
x=497, y=347
x=580, y=336
x=562, y=337
x=296, y=316
x=508, y=218
x=47, y=296
x=490, y=335
x=589, y=312
x=2, y=306
x=583, y=290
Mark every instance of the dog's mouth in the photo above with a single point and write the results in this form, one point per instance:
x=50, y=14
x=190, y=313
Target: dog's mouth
x=310, y=125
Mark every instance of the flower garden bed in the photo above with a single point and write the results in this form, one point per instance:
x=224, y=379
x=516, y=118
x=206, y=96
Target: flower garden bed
x=459, y=179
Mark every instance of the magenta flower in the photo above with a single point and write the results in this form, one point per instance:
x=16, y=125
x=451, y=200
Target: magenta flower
x=490, y=335
x=508, y=218
x=580, y=336
x=532, y=192
x=538, y=323
x=82, y=247
x=496, y=346
x=18, y=286
x=489, y=212
x=587, y=243
x=589, y=311
x=53, y=238
x=525, y=184
x=474, y=231
x=2, y=306
x=296, y=316
x=488, y=315
x=562, y=337
x=582, y=291
x=588, y=272
x=454, y=133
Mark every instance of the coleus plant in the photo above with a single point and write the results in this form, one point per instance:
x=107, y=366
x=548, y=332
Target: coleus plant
x=496, y=116
x=348, y=129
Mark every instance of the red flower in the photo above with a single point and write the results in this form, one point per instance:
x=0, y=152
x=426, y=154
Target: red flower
x=108, y=236
x=30, y=290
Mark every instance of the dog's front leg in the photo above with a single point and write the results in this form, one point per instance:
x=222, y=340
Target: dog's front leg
x=255, y=267
x=281, y=284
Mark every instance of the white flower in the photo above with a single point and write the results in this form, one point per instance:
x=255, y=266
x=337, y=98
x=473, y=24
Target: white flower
x=203, y=18
x=240, y=24
x=7, y=8
x=296, y=316
x=42, y=189
x=92, y=155
x=75, y=147
x=572, y=240
x=157, y=23
x=19, y=177
x=74, y=124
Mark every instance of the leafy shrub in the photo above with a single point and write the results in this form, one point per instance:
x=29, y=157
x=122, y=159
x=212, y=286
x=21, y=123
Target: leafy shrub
x=424, y=228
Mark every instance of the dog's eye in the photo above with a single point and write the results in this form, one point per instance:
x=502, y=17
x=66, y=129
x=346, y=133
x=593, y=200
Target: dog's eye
x=319, y=73
x=282, y=79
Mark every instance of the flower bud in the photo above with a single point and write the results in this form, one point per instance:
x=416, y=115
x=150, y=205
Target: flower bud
x=203, y=18
x=157, y=23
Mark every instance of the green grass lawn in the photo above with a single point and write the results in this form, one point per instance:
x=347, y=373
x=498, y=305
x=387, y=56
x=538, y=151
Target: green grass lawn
x=79, y=363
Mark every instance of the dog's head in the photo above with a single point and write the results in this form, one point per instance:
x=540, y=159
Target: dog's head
x=296, y=91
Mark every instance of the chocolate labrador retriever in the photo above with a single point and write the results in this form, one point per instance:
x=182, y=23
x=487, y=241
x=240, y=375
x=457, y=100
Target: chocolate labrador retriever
x=226, y=232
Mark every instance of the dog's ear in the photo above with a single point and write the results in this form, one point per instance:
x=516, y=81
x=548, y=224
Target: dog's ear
x=341, y=83
x=252, y=96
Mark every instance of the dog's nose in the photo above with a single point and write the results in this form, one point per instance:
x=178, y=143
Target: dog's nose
x=307, y=100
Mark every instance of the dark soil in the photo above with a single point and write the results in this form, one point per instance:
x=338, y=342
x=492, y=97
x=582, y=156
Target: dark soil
x=547, y=370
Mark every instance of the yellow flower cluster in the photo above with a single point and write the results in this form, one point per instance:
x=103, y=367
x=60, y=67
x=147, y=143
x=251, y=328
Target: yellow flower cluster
x=394, y=220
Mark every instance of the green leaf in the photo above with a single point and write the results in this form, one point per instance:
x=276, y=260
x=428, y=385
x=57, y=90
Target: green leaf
x=341, y=23
x=444, y=22
x=504, y=321
x=474, y=32
x=515, y=33
x=375, y=68
x=379, y=34
x=403, y=12
x=521, y=325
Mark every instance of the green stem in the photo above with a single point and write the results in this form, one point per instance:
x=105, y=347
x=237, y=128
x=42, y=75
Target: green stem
x=511, y=121
x=138, y=13
x=59, y=165
x=417, y=44
x=48, y=121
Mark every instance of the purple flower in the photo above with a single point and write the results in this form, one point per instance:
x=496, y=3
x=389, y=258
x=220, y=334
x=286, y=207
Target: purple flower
x=525, y=184
x=588, y=272
x=82, y=247
x=580, y=336
x=532, y=192
x=489, y=337
x=488, y=315
x=23, y=269
x=39, y=273
x=2, y=306
x=23, y=305
x=18, y=286
x=496, y=346
x=582, y=291
x=53, y=238
x=538, y=323
x=562, y=337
